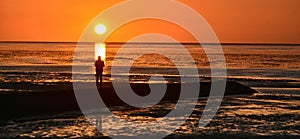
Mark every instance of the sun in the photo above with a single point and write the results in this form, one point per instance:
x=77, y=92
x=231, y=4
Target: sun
x=100, y=29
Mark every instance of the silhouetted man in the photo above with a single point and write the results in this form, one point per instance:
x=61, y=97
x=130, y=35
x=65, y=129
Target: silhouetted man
x=99, y=64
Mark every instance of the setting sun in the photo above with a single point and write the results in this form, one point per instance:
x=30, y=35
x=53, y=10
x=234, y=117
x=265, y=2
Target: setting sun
x=100, y=29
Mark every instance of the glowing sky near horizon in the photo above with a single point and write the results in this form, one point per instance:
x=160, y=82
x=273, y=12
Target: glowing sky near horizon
x=266, y=21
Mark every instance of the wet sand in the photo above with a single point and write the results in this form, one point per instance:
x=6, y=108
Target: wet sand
x=28, y=100
x=53, y=112
x=260, y=115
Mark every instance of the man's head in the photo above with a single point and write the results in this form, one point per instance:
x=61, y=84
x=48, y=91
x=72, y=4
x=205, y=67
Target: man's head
x=99, y=57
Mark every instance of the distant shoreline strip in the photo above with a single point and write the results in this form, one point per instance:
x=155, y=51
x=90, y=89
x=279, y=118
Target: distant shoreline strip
x=164, y=43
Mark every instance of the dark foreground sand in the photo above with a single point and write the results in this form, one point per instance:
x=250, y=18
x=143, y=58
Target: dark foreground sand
x=45, y=99
x=51, y=111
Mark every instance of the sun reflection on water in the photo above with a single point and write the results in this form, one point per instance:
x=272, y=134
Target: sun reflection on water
x=100, y=50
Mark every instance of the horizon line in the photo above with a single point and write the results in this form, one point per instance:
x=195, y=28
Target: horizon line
x=184, y=43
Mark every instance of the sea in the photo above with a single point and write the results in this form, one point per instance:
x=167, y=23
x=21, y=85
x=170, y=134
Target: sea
x=271, y=69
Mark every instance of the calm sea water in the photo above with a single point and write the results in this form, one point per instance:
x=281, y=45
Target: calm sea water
x=51, y=62
x=272, y=70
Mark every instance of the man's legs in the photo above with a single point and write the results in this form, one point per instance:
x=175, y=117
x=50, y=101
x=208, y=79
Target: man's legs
x=101, y=79
x=97, y=78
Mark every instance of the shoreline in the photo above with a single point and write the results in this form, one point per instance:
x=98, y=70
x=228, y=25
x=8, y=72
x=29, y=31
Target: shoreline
x=184, y=43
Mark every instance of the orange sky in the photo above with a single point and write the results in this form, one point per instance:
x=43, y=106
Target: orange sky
x=258, y=21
